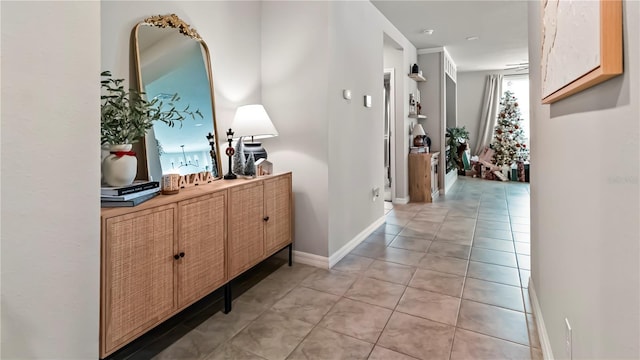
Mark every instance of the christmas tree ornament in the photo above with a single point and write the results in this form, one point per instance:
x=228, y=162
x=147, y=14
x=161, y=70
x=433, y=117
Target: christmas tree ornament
x=250, y=167
x=238, y=158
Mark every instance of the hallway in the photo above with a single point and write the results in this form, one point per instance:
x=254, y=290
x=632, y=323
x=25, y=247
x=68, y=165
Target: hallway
x=446, y=280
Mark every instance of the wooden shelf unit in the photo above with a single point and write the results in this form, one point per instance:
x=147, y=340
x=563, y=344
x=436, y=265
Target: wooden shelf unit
x=417, y=77
x=163, y=255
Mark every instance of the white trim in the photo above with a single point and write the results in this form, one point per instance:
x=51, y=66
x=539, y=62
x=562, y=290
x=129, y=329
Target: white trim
x=430, y=50
x=343, y=251
x=392, y=122
x=401, y=201
x=450, y=178
x=311, y=259
x=547, y=353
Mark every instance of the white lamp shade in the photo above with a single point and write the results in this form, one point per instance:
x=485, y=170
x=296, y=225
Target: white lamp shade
x=252, y=120
x=418, y=130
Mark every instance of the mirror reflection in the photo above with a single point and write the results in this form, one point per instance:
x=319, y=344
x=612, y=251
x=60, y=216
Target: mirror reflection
x=170, y=62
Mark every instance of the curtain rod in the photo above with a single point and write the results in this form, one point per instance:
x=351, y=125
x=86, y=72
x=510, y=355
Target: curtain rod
x=523, y=74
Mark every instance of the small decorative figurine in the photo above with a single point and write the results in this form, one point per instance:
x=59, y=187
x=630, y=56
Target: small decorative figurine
x=230, y=175
x=212, y=152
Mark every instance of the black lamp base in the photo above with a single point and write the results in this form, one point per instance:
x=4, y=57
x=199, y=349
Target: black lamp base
x=230, y=176
x=256, y=148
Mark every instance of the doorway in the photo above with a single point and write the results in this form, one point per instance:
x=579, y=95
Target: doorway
x=388, y=143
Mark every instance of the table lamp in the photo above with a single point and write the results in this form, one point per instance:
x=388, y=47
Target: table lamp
x=418, y=135
x=252, y=121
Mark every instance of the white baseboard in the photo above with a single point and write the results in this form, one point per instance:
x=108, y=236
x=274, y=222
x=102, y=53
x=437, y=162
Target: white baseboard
x=324, y=262
x=450, y=178
x=547, y=353
x=344, y=250
x=311, y=259
x=401, y=201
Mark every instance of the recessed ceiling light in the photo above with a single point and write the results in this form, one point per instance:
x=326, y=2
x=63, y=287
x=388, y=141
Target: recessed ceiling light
x=471, y=38
x=198, y=124
x=427, y=31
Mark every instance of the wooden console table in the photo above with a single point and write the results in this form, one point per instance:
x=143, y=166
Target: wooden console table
x=161, y=256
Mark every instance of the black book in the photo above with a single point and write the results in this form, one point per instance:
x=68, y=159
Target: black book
x=127, y=203
x=129, y=189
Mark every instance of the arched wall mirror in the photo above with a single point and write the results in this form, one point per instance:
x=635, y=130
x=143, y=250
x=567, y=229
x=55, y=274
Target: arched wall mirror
x=171, y=58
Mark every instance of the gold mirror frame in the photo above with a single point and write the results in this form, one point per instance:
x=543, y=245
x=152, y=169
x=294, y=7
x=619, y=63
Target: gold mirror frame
x=174, y=22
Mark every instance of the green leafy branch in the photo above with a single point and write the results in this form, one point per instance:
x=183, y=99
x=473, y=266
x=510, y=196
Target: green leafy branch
x=127, y=116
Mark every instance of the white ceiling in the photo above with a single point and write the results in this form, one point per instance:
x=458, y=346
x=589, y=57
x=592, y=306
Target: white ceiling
x=500, y=25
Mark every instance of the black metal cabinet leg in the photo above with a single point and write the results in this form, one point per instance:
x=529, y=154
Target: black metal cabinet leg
x=227, y=298
x=290, y=254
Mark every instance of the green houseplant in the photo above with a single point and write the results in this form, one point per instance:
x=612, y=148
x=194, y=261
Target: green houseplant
x=125, y=118
x=457, y=138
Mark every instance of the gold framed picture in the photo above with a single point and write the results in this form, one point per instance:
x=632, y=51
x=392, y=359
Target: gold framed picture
x=581, y=46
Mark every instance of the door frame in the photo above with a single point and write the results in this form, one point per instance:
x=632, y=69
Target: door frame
x=392, y=133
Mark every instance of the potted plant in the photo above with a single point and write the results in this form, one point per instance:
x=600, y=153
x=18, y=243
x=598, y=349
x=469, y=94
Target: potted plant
x=457, y=140
x=125, y=118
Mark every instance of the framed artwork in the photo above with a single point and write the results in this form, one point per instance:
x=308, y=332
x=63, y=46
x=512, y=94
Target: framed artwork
x=581, y=45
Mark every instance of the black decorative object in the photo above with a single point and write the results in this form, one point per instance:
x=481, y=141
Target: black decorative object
x=255, y=148
x=230, y=175
x=415, y=69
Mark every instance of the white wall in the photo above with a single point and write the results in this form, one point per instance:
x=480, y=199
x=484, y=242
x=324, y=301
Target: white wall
x=357, y=31
x=355, y=149
x=470, y=96
x=231, y=30
x=295, y=64
x=50, y=180
x=311, y=51
x=585, y=205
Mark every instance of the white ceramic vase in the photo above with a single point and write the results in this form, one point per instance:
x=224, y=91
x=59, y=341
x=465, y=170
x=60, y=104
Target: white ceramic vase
x=120, y=166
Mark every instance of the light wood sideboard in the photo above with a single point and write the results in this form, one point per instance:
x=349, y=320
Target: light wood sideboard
x=423, y=177
x=163, y=255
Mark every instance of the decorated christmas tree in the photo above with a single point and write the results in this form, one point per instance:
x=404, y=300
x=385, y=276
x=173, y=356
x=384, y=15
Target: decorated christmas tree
x=508, y=139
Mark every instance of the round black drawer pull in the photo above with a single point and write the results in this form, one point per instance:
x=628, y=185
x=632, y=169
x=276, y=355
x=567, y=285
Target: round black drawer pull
x=176, y=256
x=181, y=254
x=266, y=218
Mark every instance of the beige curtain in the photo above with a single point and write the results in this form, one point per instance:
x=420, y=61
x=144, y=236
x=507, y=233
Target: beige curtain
x=490, y=107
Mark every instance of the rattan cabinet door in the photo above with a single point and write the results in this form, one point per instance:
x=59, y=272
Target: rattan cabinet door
x=201, y=228
x=138, y=282
x=277, y=204
x=246, y=227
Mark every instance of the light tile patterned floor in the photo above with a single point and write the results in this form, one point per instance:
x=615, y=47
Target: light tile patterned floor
x=446, y=280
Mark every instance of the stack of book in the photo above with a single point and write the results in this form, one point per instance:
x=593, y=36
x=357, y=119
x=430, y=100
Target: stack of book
x=129, y=195
x=418, y=149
